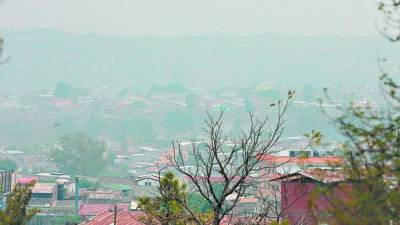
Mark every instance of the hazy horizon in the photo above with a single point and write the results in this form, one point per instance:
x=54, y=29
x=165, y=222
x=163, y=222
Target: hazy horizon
x=187, y=17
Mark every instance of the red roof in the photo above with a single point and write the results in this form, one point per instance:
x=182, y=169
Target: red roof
x=125, y=218
x=27, y=180
x=96, y=209
x=248, y=200
x=219, y=179
x=301, y=160
x=322, y=175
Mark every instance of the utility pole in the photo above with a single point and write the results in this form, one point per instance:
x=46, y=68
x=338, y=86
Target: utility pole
x=76, y=195
x=115, y=215
x=115, y=211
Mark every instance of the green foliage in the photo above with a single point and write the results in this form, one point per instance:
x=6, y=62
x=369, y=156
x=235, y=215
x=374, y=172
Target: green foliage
x=164, y=209
x=16, y=212
x=372, y=155
x=84, y=183
x=315, y=137
x=281, y=223
x=168, y=207
x=79, y=154
x=7, y=164
x=199, y=204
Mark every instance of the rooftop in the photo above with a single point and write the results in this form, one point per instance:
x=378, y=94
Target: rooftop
x=96, y=209
x=44, y=188
x=27, y=180
x=247, y=200
x=101, y=195
x=322, y=175
x=126, y=218
x=302, y=160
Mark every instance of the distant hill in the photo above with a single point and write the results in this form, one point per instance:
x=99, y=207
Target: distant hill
x=41, y=58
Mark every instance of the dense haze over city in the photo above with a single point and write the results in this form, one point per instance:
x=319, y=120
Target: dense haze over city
x=100, y=90
x=98, y=60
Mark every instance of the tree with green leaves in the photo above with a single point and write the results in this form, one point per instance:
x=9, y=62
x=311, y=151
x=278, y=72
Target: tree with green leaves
x=168, y=208
x=16, y=212
x=371, y=150
x=372, y=154
x=79, y=154
x=372, y=163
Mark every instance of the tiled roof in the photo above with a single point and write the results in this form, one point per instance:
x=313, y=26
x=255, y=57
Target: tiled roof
x=125, y=218
x=301, y=160
x=96, y=209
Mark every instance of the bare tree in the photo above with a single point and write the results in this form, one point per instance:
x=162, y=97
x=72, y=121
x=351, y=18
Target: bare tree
x=274, y=199
x=272, y=207
x=233, y=161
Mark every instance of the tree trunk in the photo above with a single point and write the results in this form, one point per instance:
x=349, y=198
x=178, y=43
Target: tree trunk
x=216, y=217
x=216, y=221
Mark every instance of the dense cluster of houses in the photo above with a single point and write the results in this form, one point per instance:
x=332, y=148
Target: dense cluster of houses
x=286, y=184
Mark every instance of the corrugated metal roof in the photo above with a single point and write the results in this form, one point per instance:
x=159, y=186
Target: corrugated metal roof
x=322, y=175
x=123, y=218
x=325, y=176
x=301, y=160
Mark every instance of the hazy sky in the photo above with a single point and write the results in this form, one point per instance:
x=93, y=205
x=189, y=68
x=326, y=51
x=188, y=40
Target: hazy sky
x=185, y=17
